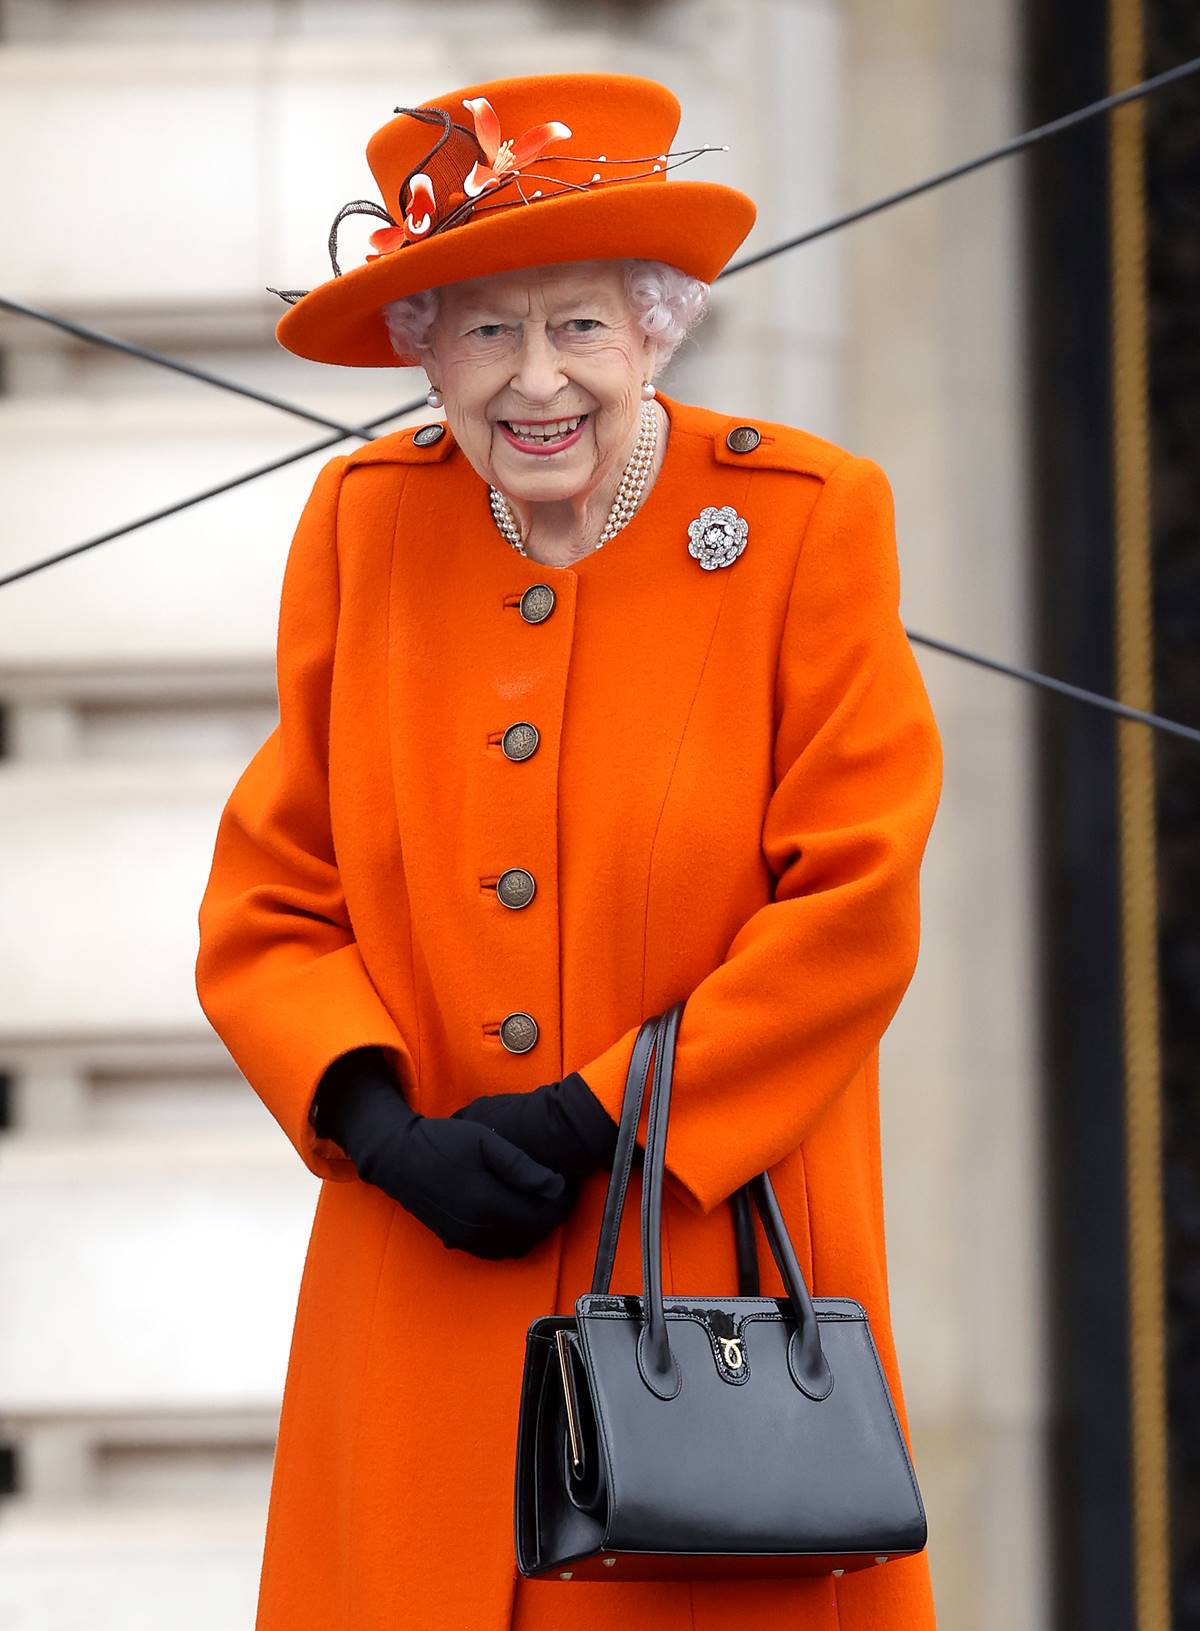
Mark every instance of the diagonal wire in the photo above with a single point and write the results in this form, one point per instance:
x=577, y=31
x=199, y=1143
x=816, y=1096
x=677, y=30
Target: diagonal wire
x=204, y=375
x=1048, y=682
x=1017, y=144
x=199, y=498
x=342, y=432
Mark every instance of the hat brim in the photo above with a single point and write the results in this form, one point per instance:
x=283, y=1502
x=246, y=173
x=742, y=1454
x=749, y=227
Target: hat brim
x=694, y=225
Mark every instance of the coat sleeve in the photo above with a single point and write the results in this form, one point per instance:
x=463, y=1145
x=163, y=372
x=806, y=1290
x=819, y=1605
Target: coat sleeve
x=811, y=981
x=279, y=974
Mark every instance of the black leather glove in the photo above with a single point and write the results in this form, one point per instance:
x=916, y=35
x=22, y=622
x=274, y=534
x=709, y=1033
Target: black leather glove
x=561, y=1124
x=476, y=1191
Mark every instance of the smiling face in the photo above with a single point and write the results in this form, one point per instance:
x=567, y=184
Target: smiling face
x=545, y=343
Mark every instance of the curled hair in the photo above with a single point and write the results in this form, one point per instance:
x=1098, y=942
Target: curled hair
x=666, y=302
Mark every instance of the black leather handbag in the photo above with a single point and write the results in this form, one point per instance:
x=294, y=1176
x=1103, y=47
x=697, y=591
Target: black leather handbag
x=705, y=1436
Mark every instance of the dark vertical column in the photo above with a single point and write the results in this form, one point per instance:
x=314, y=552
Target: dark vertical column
x=1072, y=570
x=1173, y=276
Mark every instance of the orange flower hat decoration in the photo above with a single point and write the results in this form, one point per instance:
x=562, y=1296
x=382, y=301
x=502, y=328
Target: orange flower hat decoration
x=502, y=160
x=505, y=158
x=468, y=206
x=410, y=229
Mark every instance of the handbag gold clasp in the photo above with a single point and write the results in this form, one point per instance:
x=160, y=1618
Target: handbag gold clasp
x=731, y=1347
x=568, y=1382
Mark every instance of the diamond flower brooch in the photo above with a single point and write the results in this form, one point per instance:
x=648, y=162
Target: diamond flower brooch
x=717, y=536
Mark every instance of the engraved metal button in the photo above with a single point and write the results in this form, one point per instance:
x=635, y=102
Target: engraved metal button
x=518, y=1032
x=516, y=887
x=428, y=435
x=743, y=439
x=520, y=740
x=537, y=602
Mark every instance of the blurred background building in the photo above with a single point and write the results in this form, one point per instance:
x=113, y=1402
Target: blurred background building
x=163, y=163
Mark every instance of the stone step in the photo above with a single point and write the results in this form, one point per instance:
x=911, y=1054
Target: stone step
x=100, y=915
x=138, y=1566
x=146, y=1270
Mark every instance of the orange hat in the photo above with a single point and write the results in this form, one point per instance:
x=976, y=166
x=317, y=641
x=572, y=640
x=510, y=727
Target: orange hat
x=511, y=173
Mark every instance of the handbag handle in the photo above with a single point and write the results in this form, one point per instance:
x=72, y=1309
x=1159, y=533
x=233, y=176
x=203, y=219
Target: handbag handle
x=656, y=1363
x=626, y=1149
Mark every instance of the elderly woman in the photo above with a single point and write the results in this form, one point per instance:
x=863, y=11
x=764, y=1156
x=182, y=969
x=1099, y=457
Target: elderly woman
x=590, y=701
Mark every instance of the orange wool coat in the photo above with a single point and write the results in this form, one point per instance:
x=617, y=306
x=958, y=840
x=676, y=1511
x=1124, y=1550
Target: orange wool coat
x=735, y=778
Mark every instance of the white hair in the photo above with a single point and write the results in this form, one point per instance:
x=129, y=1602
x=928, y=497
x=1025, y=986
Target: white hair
x=667, y=303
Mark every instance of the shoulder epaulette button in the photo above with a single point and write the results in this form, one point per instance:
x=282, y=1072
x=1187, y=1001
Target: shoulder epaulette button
x=428, y=435
x=743, y=439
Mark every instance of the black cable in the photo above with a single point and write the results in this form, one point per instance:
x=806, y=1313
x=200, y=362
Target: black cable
x=198, y=498
x=1016, y=145
x=144, y=354
x=1094, y=698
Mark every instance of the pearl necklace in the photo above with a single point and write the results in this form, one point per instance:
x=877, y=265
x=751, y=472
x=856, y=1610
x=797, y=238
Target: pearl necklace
x=629, y=493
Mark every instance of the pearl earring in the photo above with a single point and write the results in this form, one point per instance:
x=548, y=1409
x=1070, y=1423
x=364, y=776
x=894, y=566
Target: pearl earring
x=648, y=390
x=434, y=397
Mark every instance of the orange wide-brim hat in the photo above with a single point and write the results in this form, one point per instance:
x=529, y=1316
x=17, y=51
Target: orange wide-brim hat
x=510, y=173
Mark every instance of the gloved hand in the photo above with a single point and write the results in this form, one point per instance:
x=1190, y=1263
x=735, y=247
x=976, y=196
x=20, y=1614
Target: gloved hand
x=476, y=1191
x=561, y=1124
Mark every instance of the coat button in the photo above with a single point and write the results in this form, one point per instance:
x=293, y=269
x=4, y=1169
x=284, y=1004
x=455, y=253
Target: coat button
x=518, y=1032
x=428, y=435
x=743, y=439
x=520, y=741
x=516, y=887
x=537, y=603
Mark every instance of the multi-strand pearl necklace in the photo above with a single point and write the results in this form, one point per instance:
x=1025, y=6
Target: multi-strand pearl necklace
x=629, y=493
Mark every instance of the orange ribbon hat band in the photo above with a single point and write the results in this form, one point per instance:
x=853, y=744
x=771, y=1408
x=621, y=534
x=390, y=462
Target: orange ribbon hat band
x=510, y=173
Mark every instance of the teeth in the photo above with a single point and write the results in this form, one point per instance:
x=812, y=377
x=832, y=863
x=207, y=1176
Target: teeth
x=546, y=433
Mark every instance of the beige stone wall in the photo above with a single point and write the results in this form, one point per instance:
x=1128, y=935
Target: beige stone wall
x=165, y=162
x=934, y=391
